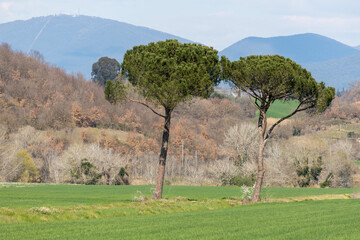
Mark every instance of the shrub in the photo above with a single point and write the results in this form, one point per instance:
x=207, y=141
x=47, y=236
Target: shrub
x=237, y=180
x=122, y=178
x=296, y=131
x=327, y=182
x=139, y=197
x=240, y=180
x=308, y=172
x=350, y=134
x=86, y=173
x=27, y=170
x=247, y=192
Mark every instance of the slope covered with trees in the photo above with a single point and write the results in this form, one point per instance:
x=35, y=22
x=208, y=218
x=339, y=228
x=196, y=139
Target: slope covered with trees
x=37, y=94
x=60, y=111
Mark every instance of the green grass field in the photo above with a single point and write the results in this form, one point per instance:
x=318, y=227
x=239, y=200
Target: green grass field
x=37, y=195
x=109, y=212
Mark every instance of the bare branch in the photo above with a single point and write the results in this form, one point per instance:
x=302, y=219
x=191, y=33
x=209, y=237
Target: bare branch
x=250, y=97
x=253, y=102
x=298, y=109
x=146, y=105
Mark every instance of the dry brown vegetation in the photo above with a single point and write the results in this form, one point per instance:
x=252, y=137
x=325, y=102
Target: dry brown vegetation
x=51, y=120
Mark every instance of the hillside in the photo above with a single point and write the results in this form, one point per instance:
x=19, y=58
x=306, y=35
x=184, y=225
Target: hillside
x=329, y=60
x=76, y=42
x=46, y=98
x=358, y=47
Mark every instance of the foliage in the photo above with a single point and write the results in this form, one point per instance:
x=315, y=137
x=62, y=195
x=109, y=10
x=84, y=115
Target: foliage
x=296, y=131
x=308, y=173
x=350, y=134
x=270, y=78
x=105, y=69
x=168, y=72
x=27, y=171
x=237, y=180
x=114, y=91
x=86, y=173
x=247, y=192
x=327, y=181
x=122, y=177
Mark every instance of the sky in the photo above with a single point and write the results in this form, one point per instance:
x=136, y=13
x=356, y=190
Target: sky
x=217, y=23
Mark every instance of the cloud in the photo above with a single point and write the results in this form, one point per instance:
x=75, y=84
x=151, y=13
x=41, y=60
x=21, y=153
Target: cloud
x=6, y=6
x=324, y=21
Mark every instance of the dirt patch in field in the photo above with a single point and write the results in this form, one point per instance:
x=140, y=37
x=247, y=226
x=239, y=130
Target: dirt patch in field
x=317, y=197
x=356, y=196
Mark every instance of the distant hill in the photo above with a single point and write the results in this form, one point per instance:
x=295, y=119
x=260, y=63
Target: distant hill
x=338, y=72
x=329, y=60
x=358, y=47
x=303, y=48
x=76, y=42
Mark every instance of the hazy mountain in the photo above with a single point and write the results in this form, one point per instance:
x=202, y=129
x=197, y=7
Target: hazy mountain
x=303, y=48
x=358, y=47
x=328, y=60
x=338, y=73
x=76, y=42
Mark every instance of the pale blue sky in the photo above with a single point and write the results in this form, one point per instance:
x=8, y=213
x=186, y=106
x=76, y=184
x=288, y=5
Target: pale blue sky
x=211, y=22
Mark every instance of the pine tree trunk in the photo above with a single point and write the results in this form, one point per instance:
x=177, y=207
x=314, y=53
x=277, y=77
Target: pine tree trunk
x=162, y=158
x=260, y=163
x=261, y=171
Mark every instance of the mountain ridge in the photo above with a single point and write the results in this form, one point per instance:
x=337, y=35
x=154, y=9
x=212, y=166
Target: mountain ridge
x=304, y=48
x=336, y=72
x=76, y=42
x=327, y=59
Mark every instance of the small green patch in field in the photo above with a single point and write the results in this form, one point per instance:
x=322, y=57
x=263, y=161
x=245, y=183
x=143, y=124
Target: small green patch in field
x=280, y=109
x=47, y=214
